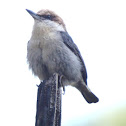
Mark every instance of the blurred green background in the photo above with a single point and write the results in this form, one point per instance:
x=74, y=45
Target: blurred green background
x=114, y=115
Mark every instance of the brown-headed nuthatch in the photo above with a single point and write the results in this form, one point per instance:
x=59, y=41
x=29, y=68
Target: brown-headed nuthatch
x=51, y=50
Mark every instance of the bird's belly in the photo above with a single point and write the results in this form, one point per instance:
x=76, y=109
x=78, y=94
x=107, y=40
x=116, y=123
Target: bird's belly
x=34, y=56
x=46, y=61
x=62, y=61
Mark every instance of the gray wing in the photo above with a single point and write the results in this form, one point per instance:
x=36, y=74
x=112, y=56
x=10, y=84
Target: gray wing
x=72, y=46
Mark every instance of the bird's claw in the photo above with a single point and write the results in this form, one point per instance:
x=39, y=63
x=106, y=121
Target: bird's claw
x=61, y=84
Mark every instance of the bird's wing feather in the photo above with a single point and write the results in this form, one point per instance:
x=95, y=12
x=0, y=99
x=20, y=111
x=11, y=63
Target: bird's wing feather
x=72, y=46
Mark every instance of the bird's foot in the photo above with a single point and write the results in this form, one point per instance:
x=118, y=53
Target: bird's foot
x=61, y=84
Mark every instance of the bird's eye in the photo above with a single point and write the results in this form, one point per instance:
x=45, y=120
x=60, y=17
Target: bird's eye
x=49, y=17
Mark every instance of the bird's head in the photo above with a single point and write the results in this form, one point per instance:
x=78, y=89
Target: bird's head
x=46, y=19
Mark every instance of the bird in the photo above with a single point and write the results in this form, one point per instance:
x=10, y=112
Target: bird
x=52, y=50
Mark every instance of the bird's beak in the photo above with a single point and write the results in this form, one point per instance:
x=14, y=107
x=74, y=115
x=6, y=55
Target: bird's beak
x=34, y=15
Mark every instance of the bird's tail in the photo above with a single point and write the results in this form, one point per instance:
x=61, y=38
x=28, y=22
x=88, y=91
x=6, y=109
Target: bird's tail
x=86, y=92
